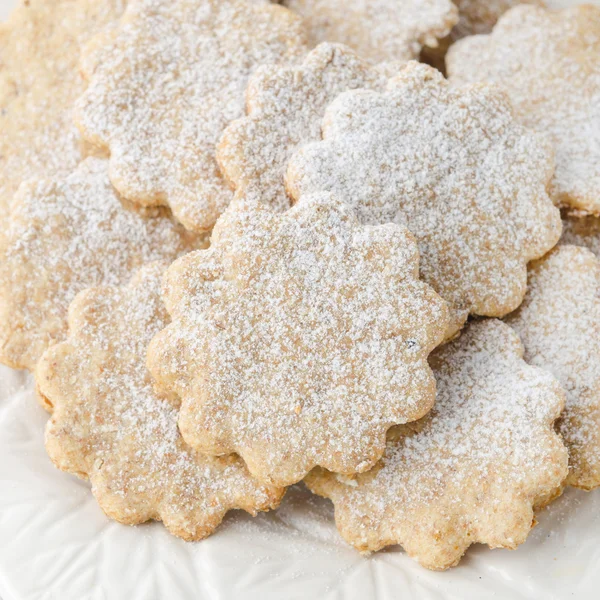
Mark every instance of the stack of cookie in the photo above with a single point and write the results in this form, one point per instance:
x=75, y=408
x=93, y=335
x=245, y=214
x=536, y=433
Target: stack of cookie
x=256, y=244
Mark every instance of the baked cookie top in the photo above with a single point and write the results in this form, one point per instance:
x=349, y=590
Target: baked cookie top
x=163, y=86
x=66, y=234
x=39, y=77
x=298, y=339
x=110, y=427
x=379, y=30
x=549, y=64
x=559, y=323
x=285, y=105
x=472, y=470
x=454, y=167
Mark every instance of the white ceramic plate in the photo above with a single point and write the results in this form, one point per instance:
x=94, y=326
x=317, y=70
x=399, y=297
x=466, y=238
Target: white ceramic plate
x=55, y=543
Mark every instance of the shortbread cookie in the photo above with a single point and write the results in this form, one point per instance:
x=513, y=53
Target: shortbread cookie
x=39, y=79
x=559, y=323
x=582, y=231
x=285, y=106
x=65, y=235
x=164, y=85
x=109, y=426
x=380, y=31
x=469, y=472
x=549, y=63
x=452, y=166
x=298, y=339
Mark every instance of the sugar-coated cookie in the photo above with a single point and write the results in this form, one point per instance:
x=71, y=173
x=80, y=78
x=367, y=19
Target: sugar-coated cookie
x=298, y=339
x=549, y=64
x=164, y=85
x=455, y=168
x=469, y=472
x=110, y=427
x=379, y=30
x=39, y=78
x=559, y=323
x=66, y=234
x=285, y=106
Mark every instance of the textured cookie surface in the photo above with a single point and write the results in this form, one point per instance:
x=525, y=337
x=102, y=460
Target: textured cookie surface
x=298, y=339
x=451, y=165
x=549, y=63
x=559, y=323
x=165, y=84
x=108, y=425
x=285, y=106
x=472, y=470
x=379, y=30
x=65, y=235
x=39, y=79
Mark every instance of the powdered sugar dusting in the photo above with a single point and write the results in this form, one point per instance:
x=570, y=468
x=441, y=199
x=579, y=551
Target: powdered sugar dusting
x=549, y=63
x=164, y=86
x=39, y=77
x=451, y=165
x=298, y=339
x=472, y=469
x=110, y=426
x=381, y=31
x=582, y=231
x=285, y=107
x=559, y=323
x=65, y=235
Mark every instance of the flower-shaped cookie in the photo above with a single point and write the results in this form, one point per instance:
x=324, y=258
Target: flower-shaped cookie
x=469, y=472
x=39, y=78
x=163, y=86
x=110, y=427
x=549, y=63
x=451, y=165
x=298, y=339
x=559, y=323
x=65, y=235
x=379, y=30
x=285, y=106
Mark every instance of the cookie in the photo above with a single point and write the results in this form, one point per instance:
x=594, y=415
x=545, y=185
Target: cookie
x=451, y=165
x=559, y=323
x=379, y=30
x=66, y=234
x=298, y=339
x=109, y=426
x=285, y=106
x=469, y=472
x=39, y=78
x=164, y=85
x=549, y=64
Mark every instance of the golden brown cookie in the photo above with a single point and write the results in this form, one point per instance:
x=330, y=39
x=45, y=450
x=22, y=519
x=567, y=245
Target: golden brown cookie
x=549, y=64
x=66, y=234
x=472, y=470
x=451, y=165
x=285, y=106
x=559, y=323
x=379, y=30
x=39, y=79
x=298, y=339
x=110, y=427
x=164, y=85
